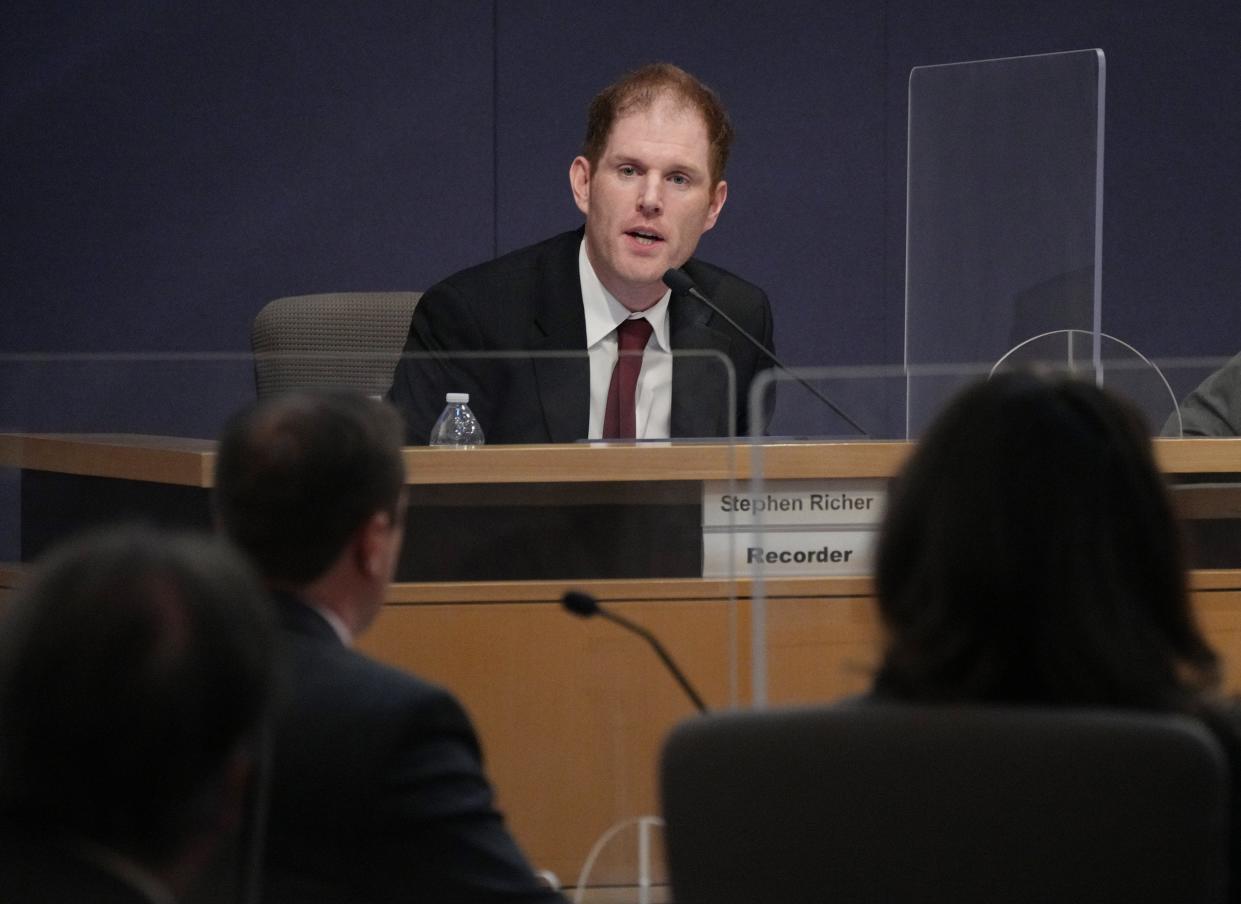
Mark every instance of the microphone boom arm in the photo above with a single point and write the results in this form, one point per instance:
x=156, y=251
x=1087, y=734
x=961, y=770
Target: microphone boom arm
x=680, y=281
x=659, y=649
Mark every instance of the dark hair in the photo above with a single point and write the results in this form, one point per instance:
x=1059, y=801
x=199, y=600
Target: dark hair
x=636, y=91
x=133, y=665
x=298, y=474
x=1029, y=553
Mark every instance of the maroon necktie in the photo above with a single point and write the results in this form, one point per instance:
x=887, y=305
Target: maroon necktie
x=619, y=417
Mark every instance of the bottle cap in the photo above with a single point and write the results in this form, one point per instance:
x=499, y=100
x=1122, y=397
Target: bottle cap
x=457, y=398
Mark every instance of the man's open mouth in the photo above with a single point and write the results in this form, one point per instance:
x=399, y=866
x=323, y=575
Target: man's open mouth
x=644, y=237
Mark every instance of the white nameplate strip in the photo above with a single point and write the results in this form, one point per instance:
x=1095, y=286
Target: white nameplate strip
x=801, y=503
x=788, y=552
x=791, y=527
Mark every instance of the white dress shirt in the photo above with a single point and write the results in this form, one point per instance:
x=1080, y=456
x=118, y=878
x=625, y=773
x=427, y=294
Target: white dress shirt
x=604, y=314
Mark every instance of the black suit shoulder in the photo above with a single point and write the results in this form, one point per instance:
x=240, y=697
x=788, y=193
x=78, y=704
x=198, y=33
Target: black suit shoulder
x=355, y=687
x=519, y=267
x=497, y=306
x=711, y=280
x=377, y=788
x=742, y=300
x=347, y=720
x=496, y=299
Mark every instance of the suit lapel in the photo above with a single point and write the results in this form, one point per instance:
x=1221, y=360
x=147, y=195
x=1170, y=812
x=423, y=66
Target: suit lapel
x=562, y=381
x=700, y=383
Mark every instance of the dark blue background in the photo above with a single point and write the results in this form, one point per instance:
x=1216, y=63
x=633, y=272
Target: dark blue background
x=169, y=167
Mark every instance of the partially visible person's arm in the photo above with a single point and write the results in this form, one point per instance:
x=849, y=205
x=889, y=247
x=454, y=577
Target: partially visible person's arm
x=1214, y=408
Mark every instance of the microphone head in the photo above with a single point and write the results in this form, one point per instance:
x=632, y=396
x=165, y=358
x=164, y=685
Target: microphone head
x=678, y=281
x=580, y=603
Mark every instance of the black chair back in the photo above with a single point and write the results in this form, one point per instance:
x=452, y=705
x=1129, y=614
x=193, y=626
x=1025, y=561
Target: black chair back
x=962, y=805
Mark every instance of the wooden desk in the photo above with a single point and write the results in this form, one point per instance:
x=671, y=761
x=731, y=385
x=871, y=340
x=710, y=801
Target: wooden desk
x=190, y=462
x=572, y=713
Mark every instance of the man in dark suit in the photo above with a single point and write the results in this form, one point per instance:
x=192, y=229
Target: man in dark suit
x=533, y=335
x=135, y=672
x=377, y=788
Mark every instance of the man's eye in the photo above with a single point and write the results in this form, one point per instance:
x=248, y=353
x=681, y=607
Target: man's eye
x=679, y=179
x=628, y=170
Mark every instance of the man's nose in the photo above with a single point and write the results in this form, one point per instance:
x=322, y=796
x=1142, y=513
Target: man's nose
x=650, y=201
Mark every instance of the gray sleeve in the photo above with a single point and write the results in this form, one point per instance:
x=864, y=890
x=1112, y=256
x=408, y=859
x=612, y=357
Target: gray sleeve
x=1214, y=408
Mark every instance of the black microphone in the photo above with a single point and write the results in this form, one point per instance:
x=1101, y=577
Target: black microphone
x=584, y=605
x=679, y=281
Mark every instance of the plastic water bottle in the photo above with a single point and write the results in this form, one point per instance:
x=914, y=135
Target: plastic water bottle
x=457, y=428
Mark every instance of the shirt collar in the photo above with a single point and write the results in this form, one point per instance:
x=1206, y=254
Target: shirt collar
x=604, y=313
x=337, y=624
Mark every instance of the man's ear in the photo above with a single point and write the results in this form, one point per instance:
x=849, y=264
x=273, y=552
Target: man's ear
x=719, y=195
x=579, y=181
x=369, y=543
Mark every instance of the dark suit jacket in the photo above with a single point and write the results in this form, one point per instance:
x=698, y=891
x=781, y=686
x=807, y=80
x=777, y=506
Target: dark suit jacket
x=531, y=301
x=377, y=787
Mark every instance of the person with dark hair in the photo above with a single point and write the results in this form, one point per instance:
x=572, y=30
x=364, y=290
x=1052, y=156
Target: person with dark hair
x=650, y=182
x=136, y=672
x=377, y=788
x=1029, y=554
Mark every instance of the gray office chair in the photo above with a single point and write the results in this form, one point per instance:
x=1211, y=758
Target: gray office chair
x=349, y=339
x=962, y=805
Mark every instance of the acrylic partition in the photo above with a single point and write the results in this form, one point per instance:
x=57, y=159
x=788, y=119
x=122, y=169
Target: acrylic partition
x=808, y=518
x=1004, y=215
x=176, y=404
x=812, y=508
x=628, y=521
x=571, y=712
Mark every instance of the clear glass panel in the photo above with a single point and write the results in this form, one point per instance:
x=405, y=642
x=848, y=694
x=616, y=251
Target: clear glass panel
x=495, y=536
x=623, y=520
x=562, y=513
x=597, y=697
x=810, y=514
x=1004, y=228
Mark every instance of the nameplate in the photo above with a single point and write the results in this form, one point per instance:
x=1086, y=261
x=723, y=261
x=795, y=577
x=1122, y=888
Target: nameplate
x=791, y=527
x=777, y=553
x=793, y=503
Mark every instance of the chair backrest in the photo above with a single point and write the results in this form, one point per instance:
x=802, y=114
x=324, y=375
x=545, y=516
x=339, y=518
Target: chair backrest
x=891, y=803
x=349, y=339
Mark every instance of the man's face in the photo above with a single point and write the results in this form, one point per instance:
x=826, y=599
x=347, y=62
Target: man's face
x=648, y=201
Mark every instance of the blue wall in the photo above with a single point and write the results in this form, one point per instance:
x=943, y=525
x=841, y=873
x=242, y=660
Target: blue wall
x=168, y=168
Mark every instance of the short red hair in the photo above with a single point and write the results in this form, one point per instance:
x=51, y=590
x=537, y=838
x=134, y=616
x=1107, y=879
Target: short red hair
x=638, y=90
